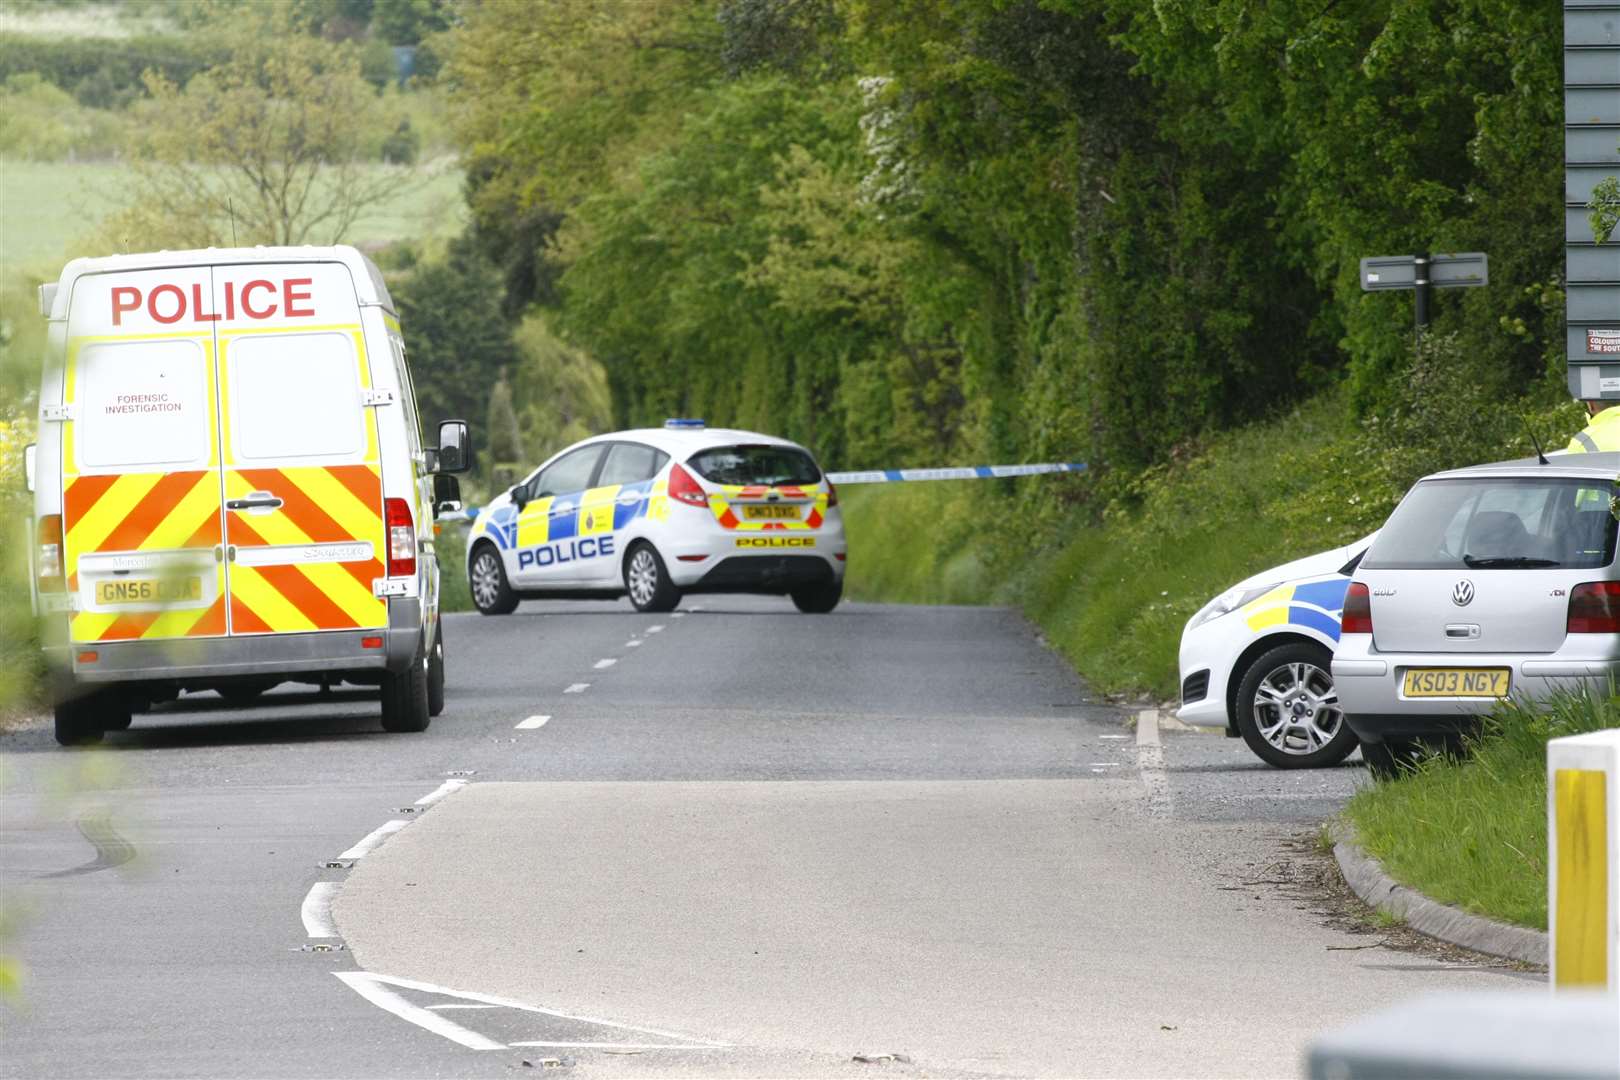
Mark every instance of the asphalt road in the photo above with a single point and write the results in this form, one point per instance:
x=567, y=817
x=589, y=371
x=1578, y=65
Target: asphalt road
x=733, y=841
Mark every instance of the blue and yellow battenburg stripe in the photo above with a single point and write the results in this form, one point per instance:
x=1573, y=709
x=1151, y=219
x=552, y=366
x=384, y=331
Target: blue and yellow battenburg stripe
x=1317, y=605
x=563, y=517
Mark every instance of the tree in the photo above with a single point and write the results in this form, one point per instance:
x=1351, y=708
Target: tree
x=457, y=339
x=263, y=147
x=505, y=440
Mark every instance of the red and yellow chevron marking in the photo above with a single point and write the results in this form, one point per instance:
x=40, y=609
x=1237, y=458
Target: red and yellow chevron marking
x=320, y=505
x=720, y=506
x=144, y=512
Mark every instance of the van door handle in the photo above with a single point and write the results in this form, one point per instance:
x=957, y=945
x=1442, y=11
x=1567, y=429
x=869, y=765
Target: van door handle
x=255, y=500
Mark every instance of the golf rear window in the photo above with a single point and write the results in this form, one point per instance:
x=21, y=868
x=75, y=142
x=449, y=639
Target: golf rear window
x=1496, y=523
x=746, y=465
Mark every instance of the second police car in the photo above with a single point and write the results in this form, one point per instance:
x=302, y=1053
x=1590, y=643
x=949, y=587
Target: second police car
x=1256, y=661
x=656, y=513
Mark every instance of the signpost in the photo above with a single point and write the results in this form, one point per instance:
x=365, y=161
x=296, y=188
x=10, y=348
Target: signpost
x=1591, y=155
x=1420, y=273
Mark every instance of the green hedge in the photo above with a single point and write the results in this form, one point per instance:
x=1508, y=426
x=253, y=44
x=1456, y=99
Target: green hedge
x=104, y=73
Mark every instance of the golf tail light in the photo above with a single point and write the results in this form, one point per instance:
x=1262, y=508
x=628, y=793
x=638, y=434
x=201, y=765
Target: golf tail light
x=1594, y=608
x=1357, y=617
x=401, y=538
x=685, y=489
x=49, y=563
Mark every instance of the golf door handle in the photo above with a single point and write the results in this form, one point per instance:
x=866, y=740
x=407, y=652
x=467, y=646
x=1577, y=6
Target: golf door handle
x=255, y=500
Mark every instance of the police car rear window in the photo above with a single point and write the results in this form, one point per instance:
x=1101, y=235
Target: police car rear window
x=745, y=465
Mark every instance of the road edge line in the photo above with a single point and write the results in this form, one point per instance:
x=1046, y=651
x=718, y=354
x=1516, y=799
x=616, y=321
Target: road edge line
x=1366, y=878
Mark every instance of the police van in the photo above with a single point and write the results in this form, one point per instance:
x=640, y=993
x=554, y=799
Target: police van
x=230, y=486
x=656, y=513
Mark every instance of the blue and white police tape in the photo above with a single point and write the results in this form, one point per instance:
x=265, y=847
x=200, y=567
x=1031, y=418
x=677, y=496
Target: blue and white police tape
x=965, y=472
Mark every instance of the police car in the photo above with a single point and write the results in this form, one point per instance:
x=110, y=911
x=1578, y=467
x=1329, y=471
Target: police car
x=656, y=513
x=1256, y=660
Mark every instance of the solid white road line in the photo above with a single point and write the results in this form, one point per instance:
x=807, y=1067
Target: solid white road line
x=440, y=792
x=1116, y=736
x=317, y=909
x=1150, y=762
x=679, y=615
x=370, y=987
x=606, y=662
x=616, y=1046
x=532, y=722
x=437, y=1007
x=578, y=688
x=374, y=839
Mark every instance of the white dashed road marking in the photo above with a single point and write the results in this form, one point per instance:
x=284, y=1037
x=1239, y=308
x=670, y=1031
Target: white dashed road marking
x=655, y=629
x=578, y=688
x=632, y=643
x=532, y=722
x=317, y=909
x=606, y=662
x=375, y=838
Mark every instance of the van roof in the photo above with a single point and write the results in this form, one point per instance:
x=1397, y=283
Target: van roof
x=368, y=281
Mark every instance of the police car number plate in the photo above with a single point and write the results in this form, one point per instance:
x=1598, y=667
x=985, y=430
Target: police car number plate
x=148, y=590
x=1456, y=682
x=771, y=511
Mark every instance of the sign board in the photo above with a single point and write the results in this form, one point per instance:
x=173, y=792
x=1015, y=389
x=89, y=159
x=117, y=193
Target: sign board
x=1591, y=155
x=1450, y=270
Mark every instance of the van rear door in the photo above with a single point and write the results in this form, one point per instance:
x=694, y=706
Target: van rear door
x=302, y=469
x=141, y=502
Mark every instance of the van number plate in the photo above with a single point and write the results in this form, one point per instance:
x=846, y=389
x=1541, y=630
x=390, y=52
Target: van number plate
x=1456, y=682
x=771, y=512
x=149, y=590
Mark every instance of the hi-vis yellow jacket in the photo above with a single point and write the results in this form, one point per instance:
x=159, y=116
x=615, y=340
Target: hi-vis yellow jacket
x=1602, y=433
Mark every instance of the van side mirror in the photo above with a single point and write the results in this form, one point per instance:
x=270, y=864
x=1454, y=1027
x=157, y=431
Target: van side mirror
x=446, y=494
x=455, y=446
x=30, y=465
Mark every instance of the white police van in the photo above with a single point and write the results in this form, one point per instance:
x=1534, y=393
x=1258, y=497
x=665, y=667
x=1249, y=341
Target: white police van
x=230, y=486
x=656, y=513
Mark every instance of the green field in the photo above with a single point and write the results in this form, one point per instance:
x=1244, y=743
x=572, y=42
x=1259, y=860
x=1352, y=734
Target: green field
x=48, y=208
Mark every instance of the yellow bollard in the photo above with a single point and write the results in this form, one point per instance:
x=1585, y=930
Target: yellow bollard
x=1583, y=861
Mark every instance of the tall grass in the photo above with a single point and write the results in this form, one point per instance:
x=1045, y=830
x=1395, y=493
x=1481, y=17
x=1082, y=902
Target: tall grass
x=1473, y=833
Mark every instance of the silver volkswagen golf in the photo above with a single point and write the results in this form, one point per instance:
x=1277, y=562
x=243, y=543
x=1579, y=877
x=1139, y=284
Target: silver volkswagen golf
x=1486, y=582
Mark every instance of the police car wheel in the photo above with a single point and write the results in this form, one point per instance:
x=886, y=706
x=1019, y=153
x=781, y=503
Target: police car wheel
x=405, y=696
x=818, y=599
x=646, y=581
x=435, y=675
x=1288, y=709
x=487, y=578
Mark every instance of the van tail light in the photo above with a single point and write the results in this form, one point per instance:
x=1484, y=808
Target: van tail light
x=401, y=538
x=1594, y=608
x=48, y=565
x=1357, y=618
x=686, y=489
x=832, y=495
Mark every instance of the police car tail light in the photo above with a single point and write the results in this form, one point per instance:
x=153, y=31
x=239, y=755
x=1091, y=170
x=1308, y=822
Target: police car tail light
x=832, y=495
x=1594, y=608
x=49, y=562
x=686, y=489
x=401, y=538
x=1357, y=618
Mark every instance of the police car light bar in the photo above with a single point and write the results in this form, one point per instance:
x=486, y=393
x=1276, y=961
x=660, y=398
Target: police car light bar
x=682, y=422
x=966, y=472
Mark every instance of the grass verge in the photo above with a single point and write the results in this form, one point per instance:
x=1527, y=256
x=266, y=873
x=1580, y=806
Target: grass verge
x=1473, y=833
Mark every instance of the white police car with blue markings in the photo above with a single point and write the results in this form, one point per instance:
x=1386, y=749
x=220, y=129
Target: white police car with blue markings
x=1256, y=660
x=656, y=513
